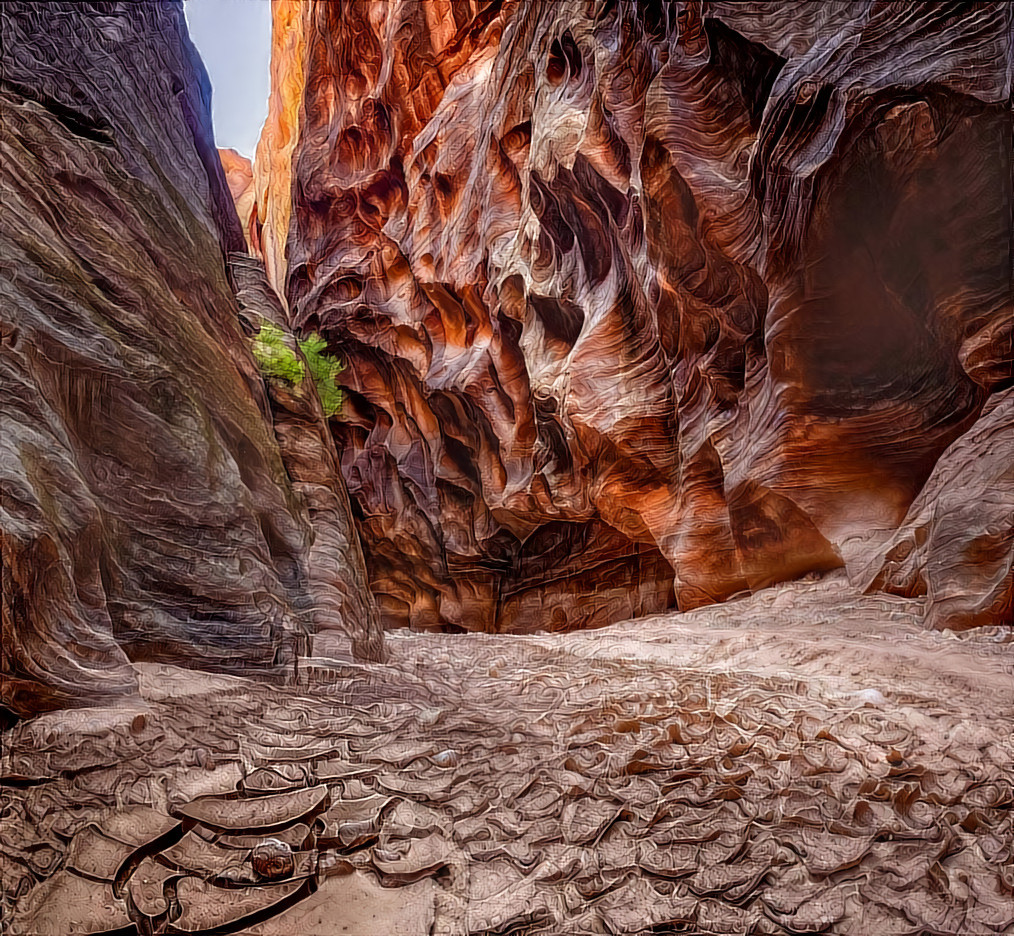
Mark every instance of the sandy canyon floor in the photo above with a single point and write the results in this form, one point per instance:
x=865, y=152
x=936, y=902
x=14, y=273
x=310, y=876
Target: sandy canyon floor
x=802, y=761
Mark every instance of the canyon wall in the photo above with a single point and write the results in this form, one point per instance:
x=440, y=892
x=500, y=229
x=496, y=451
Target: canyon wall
x=643, y=304
x=955, y=549
x=147, y=512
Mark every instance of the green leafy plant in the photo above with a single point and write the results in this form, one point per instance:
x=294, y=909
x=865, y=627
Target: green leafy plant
x=274, y=357
x=324, y=369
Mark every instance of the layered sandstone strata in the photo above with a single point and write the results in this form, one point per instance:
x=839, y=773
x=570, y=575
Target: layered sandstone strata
x=643, y=303
x=955, y=550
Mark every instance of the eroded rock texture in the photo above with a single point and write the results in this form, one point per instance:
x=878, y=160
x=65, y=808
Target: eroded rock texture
x=146, y=511
x=661, y=302
x=956, y=546
x=341, y=607
x=239, y=178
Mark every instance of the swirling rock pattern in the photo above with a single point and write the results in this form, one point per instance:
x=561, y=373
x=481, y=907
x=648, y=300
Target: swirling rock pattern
x=955, y=550
x=146, y=509
x=659, y=301
x=744, y=768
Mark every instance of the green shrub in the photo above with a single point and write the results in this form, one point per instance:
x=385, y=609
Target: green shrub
x=274, y=357
x=324, y=369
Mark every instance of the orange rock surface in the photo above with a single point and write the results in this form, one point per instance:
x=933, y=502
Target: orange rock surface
x=239, y=178
x=642, y=304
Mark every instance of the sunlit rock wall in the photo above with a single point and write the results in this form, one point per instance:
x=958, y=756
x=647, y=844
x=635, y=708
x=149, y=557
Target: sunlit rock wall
x=146, y=512
x=642, y=302
x=239, y=178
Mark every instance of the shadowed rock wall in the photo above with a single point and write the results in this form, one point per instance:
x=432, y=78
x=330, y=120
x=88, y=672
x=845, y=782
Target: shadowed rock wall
x=146, y=511
x=955, y=549
x=682, y=298
x=342, y=610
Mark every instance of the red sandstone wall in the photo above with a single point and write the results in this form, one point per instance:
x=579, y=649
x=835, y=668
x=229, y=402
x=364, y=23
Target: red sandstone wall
x=641, y=302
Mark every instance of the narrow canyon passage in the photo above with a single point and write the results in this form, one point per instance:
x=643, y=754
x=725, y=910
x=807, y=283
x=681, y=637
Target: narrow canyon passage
x=561, y=483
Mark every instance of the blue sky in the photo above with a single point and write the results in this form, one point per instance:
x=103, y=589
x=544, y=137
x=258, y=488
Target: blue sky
x=234, y=39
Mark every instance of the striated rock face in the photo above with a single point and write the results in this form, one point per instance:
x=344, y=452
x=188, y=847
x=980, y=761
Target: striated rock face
x=956, y=546
x=662, y=302
x=146, y=511
x=341, y=606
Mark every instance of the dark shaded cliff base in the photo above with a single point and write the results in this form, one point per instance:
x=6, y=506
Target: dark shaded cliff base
x=802, y=761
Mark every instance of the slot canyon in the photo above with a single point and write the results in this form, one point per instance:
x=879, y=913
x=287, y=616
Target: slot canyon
x=562, y=482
